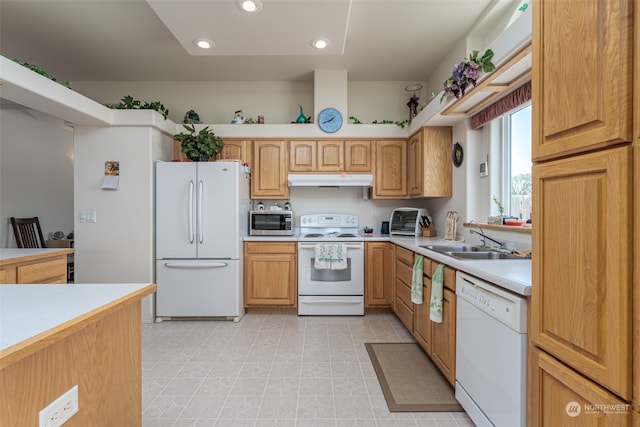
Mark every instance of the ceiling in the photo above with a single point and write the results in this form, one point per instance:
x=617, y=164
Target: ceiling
x=152, y=40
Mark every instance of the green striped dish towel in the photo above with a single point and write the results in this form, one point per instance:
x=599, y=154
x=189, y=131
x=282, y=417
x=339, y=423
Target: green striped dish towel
x=416, y=280
x=435, y=305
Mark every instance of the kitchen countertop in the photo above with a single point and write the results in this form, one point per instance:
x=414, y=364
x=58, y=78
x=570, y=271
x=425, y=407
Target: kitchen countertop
x=512, y=275
x=30, y=313
x=11, y=255
x=292, y=238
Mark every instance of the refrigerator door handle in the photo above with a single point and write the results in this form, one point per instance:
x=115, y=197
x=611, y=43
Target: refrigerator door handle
x=191, y=234
x=200, y=213
x=196, y=265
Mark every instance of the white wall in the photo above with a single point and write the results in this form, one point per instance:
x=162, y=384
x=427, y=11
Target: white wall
x=215, y=102
x=370, y=213
x=36, y=171
x=472, y=193
x=119, y=247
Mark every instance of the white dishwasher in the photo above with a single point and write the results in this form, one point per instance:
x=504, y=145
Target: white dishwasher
x=491, y=353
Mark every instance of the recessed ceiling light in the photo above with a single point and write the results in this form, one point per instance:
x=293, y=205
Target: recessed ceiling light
x=320, y=43
x=204, y=43
x=251, y=6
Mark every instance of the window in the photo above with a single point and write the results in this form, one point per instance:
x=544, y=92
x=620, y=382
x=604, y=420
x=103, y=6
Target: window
x=516, y=177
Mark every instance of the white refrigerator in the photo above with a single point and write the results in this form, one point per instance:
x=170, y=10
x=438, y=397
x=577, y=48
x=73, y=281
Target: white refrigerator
x=201, y=218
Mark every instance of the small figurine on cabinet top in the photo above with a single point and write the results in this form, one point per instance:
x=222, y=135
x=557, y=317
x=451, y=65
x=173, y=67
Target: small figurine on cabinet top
x=238, y=118
x=191, y=117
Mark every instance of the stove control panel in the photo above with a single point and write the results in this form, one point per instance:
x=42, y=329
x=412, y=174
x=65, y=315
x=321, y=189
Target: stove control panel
x=329, y=220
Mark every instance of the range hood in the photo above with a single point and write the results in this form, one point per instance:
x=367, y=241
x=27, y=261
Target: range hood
x=330, y=180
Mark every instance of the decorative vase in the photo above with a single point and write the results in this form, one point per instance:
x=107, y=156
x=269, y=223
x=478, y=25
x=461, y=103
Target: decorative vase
x=301, y=118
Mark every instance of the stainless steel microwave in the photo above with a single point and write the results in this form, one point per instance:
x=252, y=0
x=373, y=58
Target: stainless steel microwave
x=271, y=223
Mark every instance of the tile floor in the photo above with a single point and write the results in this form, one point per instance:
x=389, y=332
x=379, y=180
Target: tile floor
x=272, y=370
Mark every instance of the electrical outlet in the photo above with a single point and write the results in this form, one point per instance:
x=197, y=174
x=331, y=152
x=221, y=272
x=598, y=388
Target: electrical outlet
x=60, y=410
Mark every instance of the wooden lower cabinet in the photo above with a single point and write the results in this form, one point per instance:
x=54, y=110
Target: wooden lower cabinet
x=379, y=274
x=559, y=396
x=270, y=274
x=437, y=339
x=421, y=322
x=40, y=268
x=443, y=337
x=403, y=307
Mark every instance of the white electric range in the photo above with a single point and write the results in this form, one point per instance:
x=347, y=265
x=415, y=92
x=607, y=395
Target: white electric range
x=333, y=288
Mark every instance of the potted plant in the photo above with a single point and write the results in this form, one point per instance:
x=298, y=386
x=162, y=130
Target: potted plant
x=496, y=219
x=199, y=146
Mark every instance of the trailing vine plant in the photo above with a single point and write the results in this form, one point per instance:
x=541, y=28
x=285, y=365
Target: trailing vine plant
x=129, y=103
x=41, y=71
x=401, y=123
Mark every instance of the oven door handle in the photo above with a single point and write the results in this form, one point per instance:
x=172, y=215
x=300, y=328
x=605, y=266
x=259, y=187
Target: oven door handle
x=313, y=246
x=332, y=301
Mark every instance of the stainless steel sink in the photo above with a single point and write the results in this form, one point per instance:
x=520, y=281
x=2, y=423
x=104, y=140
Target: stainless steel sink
x=470, y=252
x=454, y=248
x=482, y=255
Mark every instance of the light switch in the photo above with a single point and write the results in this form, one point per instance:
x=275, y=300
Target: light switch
x=87, y=216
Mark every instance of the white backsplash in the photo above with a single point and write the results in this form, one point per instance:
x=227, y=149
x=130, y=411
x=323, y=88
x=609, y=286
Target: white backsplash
x=370, y=212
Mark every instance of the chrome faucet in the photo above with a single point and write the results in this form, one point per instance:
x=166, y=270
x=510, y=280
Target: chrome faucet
x=485, y=236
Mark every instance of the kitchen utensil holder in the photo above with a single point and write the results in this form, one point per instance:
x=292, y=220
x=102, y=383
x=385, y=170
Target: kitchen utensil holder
x=428, y=232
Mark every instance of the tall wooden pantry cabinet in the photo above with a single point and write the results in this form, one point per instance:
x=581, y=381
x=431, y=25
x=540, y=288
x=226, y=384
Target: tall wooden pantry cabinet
x=584, y=334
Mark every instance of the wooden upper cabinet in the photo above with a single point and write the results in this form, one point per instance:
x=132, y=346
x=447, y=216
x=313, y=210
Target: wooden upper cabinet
x=302, y=156
x=581, y=299
x=330, y=156
x=414, y=165
x=429, y=162
x=391, y=169
x=357, y=156
x=581, y=76
x=236, y=149
x=269, y=170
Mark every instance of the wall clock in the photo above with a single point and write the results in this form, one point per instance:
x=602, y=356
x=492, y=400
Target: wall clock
x=330, y=120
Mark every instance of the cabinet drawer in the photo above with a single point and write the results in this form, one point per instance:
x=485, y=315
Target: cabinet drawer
x=43, y=272
x=405, y=314
x=426, y=267
x=403, y=292
x=270, y=247
x=449, y=276
x=404, y=272
x=404, y=255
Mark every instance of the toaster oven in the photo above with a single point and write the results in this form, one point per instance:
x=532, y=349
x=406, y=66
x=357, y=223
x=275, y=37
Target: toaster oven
x=406, y=221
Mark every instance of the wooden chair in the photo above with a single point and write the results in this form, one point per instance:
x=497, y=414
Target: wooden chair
x=28, y=232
